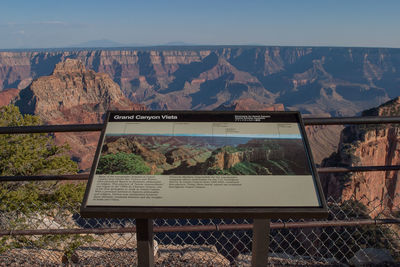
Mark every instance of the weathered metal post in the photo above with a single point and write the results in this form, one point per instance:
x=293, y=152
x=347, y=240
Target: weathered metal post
x=145, y=243
x=260, y=246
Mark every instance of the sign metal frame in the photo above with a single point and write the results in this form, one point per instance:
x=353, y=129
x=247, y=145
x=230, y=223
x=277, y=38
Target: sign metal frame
x=151, y=212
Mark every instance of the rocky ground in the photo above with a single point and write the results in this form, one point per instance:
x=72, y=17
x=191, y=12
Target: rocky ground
x=114, y=250
x=169, y=257
x=120, y=250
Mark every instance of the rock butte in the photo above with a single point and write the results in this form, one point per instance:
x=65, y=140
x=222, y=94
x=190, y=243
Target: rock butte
x=74, y=95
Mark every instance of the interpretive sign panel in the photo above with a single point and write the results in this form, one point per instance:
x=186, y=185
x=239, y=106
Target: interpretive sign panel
x=201, y=164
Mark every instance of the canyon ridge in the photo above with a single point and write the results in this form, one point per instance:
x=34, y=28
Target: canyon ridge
x=314, y=80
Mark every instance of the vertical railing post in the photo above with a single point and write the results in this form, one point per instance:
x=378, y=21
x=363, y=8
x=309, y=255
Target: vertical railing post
x=260, y=246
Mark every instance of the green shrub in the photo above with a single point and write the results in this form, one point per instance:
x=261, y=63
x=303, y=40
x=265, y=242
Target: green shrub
x=40, y=196
x=122, y=163
x=30, y=154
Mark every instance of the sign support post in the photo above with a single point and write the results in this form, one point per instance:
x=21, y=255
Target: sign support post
x=145, y=243
x=260, y=246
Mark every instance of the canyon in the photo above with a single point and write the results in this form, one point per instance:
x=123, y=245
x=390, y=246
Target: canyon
x=318, y=81
x=72, y=94
x=315, y=80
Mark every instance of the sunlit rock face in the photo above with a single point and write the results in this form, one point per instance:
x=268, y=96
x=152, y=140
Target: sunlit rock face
x=8, y=96
x=368, y=146
x=74, y=95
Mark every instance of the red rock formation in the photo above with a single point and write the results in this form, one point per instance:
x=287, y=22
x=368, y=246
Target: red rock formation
x=7, y=96
x=71, y=90
x=366, y=146
x=225, y=159
x=74, y=95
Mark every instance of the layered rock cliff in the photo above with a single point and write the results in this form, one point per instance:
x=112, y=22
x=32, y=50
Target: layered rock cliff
x=363, y=146
x=250, y=104
x=323, y=140
x=336, y=81
x=224, y=159
x=72, y=95
x=8, y=96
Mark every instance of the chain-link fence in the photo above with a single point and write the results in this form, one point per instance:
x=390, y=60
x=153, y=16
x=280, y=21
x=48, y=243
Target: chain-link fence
x=40, y=225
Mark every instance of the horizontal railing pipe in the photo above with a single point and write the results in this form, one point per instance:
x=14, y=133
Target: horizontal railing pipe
x=52, y=128
x=98, y=127
x=358, y=169
x=351, y=120
x=85, y=176
x=201, y=228
x=65, y=177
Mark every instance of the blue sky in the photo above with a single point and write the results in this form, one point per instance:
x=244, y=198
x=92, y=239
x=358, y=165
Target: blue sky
x=43, y=24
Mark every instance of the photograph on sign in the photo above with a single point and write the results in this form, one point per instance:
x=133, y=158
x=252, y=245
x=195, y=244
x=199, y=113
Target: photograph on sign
x=172, y=159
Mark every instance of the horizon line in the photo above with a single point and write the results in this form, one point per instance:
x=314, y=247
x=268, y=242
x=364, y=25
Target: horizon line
x=171, y=47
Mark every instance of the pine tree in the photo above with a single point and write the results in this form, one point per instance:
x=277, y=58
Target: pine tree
x=30, y=154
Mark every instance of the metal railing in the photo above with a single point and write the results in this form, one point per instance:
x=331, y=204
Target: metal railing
x=202, y=228
x=308, y=121
x=98, y=127
x=208, y=242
